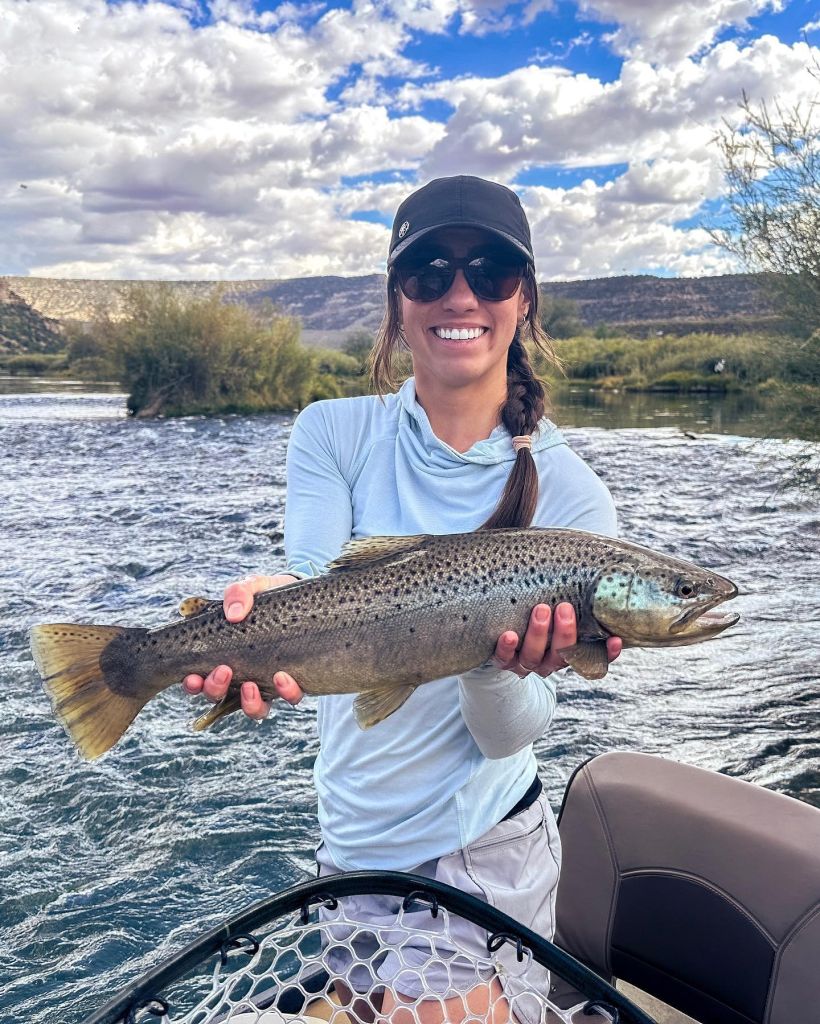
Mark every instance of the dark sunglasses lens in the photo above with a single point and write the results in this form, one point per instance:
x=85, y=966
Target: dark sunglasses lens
x=425, y=282
x=493, y=280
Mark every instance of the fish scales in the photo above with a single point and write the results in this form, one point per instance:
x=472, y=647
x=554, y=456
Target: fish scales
x=390, y=615
x=403, y=618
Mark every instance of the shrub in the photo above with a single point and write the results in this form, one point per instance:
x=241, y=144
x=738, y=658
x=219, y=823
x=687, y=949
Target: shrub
x=178, y=357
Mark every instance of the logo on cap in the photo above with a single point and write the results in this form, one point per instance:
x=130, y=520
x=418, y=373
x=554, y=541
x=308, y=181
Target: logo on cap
x=404, y=229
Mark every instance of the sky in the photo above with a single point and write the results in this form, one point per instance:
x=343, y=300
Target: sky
x=234, y=139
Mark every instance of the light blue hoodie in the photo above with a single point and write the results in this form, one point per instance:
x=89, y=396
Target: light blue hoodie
x=417, y=785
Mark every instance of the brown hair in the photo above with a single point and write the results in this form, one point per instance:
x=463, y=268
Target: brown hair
x=526, y=395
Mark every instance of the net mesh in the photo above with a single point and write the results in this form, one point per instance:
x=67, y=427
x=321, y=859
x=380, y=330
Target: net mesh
x=324, y=965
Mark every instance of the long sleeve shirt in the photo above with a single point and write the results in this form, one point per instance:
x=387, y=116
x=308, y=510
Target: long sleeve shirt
x=450, y=762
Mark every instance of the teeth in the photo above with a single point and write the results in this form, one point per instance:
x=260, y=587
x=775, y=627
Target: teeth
x=459, y=334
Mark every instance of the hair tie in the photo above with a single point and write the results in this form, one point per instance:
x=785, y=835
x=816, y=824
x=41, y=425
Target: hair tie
x=522, y=441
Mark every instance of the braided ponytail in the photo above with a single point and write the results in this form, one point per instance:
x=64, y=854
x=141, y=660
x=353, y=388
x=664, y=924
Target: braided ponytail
x=525, y=405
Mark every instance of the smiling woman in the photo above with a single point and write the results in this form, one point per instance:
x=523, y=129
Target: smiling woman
x=463, y=445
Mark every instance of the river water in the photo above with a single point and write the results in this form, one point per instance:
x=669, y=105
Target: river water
x=107, y=867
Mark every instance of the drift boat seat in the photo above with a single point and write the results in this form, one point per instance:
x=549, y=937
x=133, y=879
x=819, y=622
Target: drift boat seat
x=697, y=888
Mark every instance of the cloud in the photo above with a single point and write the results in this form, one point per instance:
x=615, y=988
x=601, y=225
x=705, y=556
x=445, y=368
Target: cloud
x=220, y=140
x=542, y=116
x=674, y=29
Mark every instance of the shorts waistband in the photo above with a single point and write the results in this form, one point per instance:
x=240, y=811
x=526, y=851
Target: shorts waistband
x=526, y=800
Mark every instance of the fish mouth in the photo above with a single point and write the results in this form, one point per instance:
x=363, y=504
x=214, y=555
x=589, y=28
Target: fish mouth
x=702, y=622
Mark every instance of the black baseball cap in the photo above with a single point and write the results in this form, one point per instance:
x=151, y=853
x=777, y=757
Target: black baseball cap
x=461, y=201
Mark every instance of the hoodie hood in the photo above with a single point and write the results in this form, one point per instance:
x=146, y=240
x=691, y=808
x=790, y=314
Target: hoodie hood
x=495, y=449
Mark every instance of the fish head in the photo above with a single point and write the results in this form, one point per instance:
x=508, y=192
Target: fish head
x=657, y=601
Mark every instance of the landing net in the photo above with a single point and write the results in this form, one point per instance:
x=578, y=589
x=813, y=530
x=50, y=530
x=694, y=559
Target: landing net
x=304, y=958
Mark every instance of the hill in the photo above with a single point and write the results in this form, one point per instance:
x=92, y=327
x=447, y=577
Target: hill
x=331, y=307
x=22, y=328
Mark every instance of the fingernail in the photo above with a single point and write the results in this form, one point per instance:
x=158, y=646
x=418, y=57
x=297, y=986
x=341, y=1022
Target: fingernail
x=565, y=614
x=541, y=615
x=234, y=610
x=247, y=690
x=220, y=675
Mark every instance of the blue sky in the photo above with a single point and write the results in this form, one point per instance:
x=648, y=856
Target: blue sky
x=236, y=139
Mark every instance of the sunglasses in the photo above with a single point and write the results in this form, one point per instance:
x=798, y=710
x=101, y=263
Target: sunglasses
x=494, y=278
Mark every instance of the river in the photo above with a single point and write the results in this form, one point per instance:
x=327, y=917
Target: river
x=106, y=867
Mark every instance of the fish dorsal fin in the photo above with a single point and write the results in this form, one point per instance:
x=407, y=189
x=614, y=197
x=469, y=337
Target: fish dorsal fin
x=374, y=549
x=373, y=706
x=191, y=606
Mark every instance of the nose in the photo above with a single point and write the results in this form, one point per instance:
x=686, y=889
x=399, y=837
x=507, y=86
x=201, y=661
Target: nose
x=460, y=295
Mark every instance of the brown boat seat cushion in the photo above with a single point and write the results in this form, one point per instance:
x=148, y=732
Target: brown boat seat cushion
x=701, y=889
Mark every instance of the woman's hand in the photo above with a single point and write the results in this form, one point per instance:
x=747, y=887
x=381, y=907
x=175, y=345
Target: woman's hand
x=546, y=634
x=237, y=603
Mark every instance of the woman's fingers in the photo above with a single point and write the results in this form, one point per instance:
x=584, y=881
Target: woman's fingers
x=504, y=654
x=614, y=646
x=238, y=599
x=534, y=644
x=252, y=703
x=287, y=688
x=215, y=684
x=564, y=634
x=193, y=684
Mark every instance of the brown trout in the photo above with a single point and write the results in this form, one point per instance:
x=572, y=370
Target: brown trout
x=390, y=614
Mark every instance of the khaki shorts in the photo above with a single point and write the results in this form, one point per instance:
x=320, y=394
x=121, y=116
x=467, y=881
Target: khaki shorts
x=513, y=867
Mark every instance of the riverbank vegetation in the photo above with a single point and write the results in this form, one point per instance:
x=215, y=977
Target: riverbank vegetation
x=694, y=362
x=178, y=356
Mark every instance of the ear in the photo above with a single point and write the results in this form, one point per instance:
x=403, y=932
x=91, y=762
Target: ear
x=523, y=304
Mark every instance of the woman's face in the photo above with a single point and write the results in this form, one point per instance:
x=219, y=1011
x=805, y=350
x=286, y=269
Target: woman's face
x=441, y=360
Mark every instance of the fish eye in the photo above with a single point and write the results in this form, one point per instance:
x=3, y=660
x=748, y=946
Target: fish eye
x=685, y=588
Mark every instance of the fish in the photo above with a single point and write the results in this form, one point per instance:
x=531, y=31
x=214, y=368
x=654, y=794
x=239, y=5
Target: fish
x=390, y=614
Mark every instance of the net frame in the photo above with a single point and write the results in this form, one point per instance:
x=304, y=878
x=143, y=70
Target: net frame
x=265, y=990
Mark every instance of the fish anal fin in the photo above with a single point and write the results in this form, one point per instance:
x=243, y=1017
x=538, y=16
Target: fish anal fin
x=231, y=702
x=374, y=549
x=373, y=706
x=588, y=658
x=191, y=606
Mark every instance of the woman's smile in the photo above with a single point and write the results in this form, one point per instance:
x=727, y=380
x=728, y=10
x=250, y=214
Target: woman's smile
x=458, y=332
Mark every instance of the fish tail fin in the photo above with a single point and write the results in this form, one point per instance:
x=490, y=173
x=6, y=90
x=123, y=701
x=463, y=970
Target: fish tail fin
x=230, y=702
x=93, y=714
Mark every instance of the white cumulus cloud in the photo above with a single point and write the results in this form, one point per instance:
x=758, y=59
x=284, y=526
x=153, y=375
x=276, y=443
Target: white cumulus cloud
x=217, y=139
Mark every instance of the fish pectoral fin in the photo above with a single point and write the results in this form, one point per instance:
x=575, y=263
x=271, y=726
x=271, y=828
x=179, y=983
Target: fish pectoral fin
x=373, y=706
x=374, y=549
x=191, y=606
x=588, y=658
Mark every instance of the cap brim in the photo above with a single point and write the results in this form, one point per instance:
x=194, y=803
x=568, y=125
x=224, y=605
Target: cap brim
x=406, y=243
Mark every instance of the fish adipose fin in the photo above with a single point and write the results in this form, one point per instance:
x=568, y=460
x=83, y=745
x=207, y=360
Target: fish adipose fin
x=68, y=659
x=588, y=658
x=231, y=702
x=191, y=606
x=374, y=549
x=373, y=706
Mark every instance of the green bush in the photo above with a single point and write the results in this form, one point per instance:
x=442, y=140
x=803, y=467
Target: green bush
x=710, y=360
x=178, y=357
x=32, y=364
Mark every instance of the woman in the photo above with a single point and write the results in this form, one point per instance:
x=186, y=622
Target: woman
x=447, y=785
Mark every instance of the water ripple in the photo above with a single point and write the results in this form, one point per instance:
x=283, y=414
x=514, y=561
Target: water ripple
x=106, y=867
